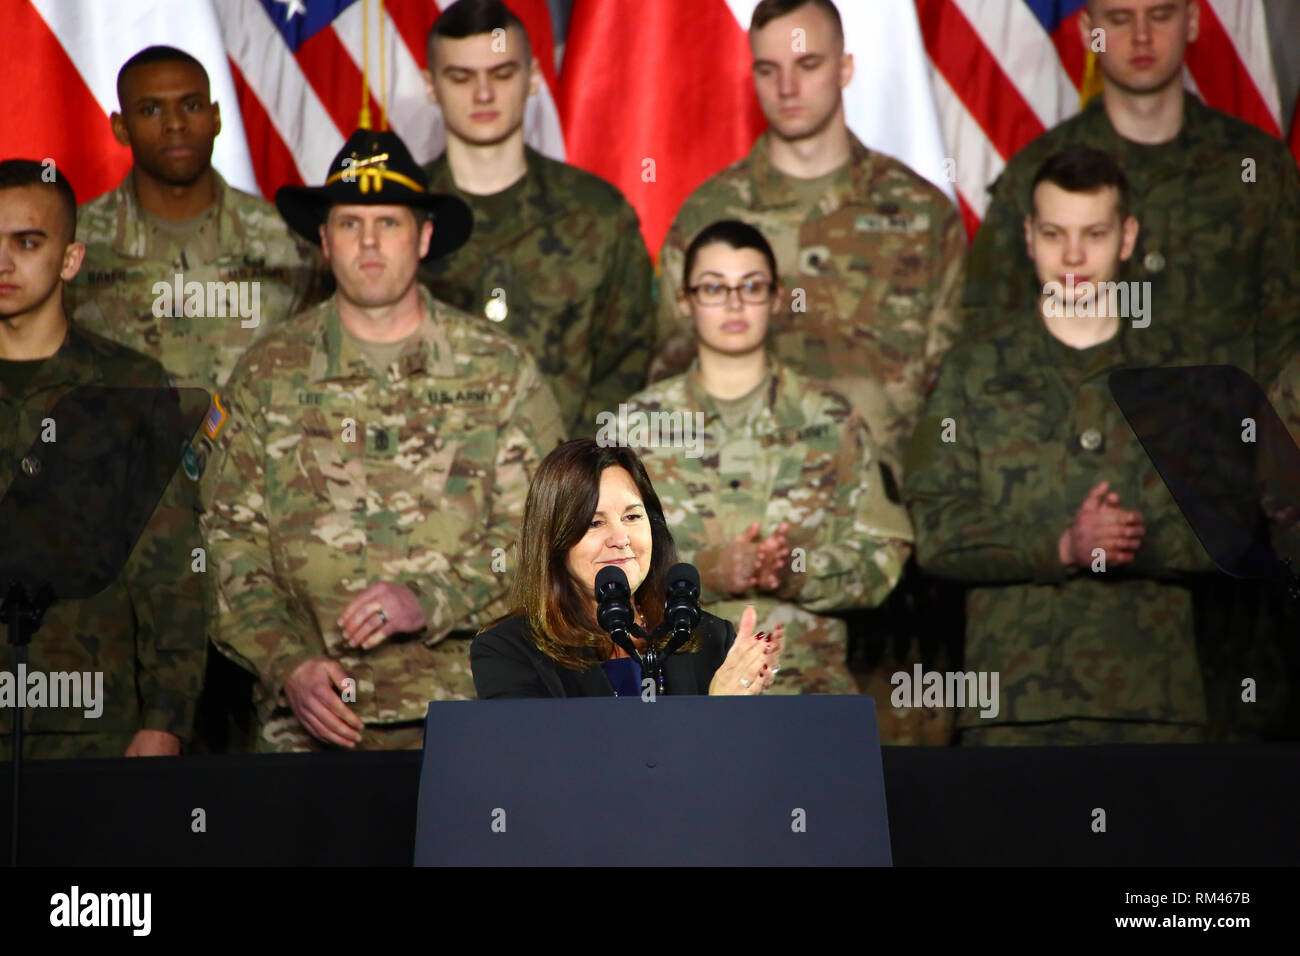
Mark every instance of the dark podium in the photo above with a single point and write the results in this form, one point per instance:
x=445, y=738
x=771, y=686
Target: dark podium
x=747, y=781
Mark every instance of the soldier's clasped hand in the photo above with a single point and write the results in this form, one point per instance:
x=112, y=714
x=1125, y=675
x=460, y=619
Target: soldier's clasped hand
x=1101, y=523
x=379, y=612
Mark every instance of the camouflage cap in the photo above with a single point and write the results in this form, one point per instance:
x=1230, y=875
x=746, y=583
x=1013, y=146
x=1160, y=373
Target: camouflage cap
x=375, y=168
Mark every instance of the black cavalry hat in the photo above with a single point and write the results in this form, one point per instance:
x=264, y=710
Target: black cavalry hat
x=375, y=168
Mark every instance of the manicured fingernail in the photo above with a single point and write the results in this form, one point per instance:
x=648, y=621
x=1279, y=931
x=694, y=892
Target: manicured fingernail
x=768, y=638
x=759, y=635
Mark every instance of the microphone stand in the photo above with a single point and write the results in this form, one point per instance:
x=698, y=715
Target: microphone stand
x=614, y=614
x=22, y=613
x=652, y=661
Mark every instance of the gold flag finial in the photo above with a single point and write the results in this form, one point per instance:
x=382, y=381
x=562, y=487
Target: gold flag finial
x=1091, y=84
x=364, y=122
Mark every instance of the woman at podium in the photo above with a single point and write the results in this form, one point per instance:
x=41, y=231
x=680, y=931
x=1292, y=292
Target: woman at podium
x=591, y=506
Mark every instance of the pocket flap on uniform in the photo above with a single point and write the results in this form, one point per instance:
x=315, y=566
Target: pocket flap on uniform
x=1015, y=382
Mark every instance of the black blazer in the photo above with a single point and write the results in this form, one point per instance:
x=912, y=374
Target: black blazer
x=506, y=663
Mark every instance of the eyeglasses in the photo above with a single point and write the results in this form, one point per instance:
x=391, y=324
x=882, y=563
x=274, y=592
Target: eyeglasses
x=753, y=292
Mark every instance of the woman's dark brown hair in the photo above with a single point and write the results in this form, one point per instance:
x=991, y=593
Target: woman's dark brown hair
x=562, y=500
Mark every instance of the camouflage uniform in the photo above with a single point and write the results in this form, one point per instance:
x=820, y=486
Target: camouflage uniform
x=429, y=495
x=1222, y=255
x=802, y=456
x=244, y=239
x=146, y=633
x=1223, y=259
x=1032, y=428
x=1282, y=504
x=564, y=248
x=878, y=261
x=241, y=239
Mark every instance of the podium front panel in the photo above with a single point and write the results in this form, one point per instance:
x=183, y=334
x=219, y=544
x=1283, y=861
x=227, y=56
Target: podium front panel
x=737, y=781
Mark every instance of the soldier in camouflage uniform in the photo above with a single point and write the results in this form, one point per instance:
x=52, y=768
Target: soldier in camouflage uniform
x=371, y=477
x=185, y=268
x=1219, y=199
x=174, y=215
x=556, y=260
x=871, y=257
x=779, y=499
x=1219, y=202
x=870, y=252
x=1025, y=480
x=146, y=632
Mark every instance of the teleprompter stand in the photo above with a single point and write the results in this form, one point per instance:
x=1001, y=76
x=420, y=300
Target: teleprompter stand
x=728, y=781
x=80, y=498
x=1228, y=461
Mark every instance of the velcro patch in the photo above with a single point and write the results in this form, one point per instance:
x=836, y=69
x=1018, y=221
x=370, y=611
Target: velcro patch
x=215, y=419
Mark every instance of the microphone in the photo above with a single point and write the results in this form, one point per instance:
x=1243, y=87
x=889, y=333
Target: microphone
x=682, y=608
x=614, y=607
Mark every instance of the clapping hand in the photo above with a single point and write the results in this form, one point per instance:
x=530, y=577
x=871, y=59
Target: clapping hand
x=752, y=662
x=748, y=563
x=772, y=563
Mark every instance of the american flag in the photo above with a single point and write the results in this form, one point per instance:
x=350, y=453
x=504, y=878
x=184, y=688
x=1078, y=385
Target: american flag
x=952, y=87
x=1005, y=71
x=298, y=68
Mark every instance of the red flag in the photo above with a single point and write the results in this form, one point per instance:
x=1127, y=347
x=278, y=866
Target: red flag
x=49, y=110
x=655, y=98
x=1295, y=134
x=59, y=64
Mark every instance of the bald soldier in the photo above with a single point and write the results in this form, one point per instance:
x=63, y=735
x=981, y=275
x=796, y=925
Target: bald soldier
x=372, y=472
x=870, y=252
x=179, y=264
x=556, y=260
x=137, y=647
